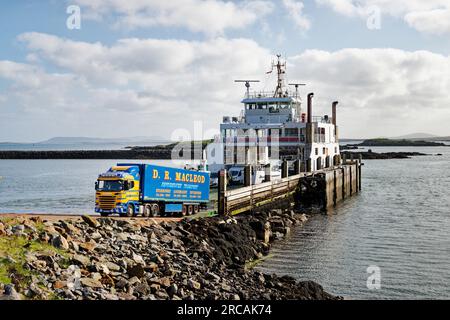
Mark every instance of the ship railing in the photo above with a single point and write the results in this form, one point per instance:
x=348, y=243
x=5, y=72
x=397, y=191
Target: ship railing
x=263, y=140
x=268, y=94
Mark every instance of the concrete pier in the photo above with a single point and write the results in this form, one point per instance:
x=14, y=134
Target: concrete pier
x=326, y=189
x=321, y=190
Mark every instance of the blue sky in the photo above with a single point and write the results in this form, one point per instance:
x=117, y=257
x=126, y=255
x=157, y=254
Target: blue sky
x=172, y=47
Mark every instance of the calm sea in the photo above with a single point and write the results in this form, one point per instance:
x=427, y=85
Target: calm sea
x=399, y=223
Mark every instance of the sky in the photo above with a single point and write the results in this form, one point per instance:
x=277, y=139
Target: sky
x=112, y=68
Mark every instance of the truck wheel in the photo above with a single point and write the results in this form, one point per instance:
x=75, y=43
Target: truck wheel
x=130, y=210
x=155, y=210
x=196, y=209
x=147, y=211
x=184, y=211
x=190, y=210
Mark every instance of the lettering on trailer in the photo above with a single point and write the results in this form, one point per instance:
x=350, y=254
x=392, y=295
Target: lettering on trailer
x=175, y=184
x=179, y=176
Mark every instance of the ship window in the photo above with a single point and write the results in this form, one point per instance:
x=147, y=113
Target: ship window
x=291, y=132
x=262, y=106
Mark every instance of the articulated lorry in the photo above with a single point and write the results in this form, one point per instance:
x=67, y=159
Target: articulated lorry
x=148, y=190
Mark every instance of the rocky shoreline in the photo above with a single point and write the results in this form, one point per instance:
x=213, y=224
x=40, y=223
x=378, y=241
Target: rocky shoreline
x=369, y=155
x=127, y=259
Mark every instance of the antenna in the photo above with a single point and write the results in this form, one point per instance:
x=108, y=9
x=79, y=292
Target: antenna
x=296, y=87
x=281, y=71
x=247, y=85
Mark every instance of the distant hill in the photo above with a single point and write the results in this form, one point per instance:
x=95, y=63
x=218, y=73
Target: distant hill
x=415, y=136
x=399, y=143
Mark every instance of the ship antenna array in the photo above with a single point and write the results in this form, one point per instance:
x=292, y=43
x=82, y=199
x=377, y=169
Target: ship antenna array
x=247, y=85
x=296, y=85
x=281, y=71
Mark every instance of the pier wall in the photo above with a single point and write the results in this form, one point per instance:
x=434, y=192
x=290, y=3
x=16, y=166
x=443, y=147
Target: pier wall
x=326, y=189
x=318, y=190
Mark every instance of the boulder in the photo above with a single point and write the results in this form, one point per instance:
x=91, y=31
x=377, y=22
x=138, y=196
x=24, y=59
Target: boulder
x=136, y=271
x=91, y=283
x=88, y=246
x=60, y=242
x=194, y=284
x=10, y=293
x=81, y=260
x=91, y=222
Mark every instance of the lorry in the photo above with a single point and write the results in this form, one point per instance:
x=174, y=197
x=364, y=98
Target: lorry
x=130, y=189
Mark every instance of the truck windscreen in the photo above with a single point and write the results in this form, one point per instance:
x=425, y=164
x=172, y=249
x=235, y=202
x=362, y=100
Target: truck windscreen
x=110, y=185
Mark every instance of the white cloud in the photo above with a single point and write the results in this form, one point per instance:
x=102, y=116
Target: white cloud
x=430, y=16
x=383, y=92
x=295, y=11
x=151, y=87
x=160, y=84
x=432, y=21
x=211, y=17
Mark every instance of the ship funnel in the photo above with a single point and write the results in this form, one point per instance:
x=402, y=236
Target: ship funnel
x=334, y=112
x=310, y=96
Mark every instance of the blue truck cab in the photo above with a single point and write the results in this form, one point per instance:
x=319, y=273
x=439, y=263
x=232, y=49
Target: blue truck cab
x=130, y=189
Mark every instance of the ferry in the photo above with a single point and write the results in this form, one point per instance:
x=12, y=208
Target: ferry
x=272, y=127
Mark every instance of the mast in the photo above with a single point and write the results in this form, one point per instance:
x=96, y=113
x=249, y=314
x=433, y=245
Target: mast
x=281, y=71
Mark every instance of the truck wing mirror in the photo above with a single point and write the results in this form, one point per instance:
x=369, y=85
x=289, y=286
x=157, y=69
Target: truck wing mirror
x=96, y=185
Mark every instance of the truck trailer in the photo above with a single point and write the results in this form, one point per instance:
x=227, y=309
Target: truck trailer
x=130, y=190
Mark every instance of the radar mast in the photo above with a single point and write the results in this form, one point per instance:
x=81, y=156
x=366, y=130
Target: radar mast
x=281, y=71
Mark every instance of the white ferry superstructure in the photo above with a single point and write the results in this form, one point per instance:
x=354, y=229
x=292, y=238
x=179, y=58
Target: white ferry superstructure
x=273, y=126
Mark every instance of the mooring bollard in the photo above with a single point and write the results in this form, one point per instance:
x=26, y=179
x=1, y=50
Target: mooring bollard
x=284, y=169
x=302, y=166
x=221, y=194
x=267, y=171
x=308, y=165
x=360, y=170
x=247, y=175
x=297, y=164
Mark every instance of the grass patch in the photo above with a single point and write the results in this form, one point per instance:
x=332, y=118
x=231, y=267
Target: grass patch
x=251, y=264
x=13, y=252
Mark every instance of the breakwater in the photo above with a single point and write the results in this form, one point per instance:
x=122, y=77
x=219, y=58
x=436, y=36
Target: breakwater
x=138, y=154
x=128, y=259
x=369, y=155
